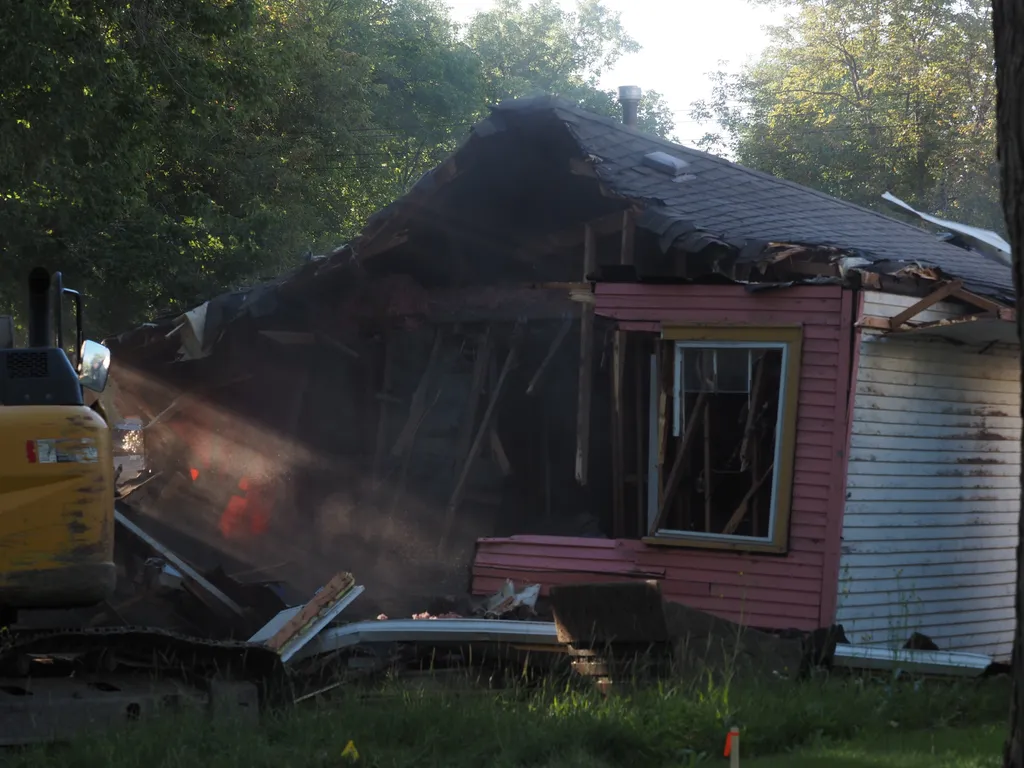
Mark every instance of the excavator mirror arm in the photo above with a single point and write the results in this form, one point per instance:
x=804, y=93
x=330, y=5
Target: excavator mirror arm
x=76, y=297
x=58, y=311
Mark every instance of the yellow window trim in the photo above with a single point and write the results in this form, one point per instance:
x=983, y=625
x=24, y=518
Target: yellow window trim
x=792, y=336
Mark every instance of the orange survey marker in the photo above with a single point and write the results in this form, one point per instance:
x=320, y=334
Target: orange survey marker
x=732, y=747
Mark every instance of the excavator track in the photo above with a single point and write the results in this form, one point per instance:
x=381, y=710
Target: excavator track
x=158, y=650
x=56, y=683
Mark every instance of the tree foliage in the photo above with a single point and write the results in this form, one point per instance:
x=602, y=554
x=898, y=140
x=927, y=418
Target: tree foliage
x=856, y=97
x=160, y=152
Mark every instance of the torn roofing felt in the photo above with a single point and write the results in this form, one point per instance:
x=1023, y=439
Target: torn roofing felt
x=707, y=199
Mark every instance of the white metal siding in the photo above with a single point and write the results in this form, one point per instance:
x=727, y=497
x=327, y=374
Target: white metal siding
x=933, y=491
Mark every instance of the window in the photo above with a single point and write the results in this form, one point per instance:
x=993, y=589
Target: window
x=723, y=424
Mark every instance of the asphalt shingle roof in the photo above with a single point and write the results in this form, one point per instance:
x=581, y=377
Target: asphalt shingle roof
x=738, y=204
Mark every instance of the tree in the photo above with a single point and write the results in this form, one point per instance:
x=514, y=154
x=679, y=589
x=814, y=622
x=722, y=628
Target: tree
x=541, y=49
x=1008, y=26
x=856, y=97
x=160, y=153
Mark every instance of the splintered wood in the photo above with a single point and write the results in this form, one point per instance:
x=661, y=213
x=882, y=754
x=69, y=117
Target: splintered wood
x=326, y=598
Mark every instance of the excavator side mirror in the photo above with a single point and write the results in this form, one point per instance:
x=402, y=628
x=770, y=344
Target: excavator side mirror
x=95, y=366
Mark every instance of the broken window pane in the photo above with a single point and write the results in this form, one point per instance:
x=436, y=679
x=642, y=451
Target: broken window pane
x=727, y=455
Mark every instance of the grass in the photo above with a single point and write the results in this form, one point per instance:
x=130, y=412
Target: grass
x=843, y=722
x=966, y=747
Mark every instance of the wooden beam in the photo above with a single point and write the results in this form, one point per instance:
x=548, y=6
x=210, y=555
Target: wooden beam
x=474, y=449
x=677, y=465
x=380, y=449
x=555, y=344
x=943, y=292
x=498, y=451
x=875, y=323
x=476, y=388
x=418, y=403
x=980, y=302
x=741, y=510
x=628, y=237
x=586, y=371
x=707, y=468
x=638, y=432
x=618, y=437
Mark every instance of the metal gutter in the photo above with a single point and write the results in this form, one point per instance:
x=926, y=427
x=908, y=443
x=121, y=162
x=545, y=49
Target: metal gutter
x=430, y=630
x=948, y=663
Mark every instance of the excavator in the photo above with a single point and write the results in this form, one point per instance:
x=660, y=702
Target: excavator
x=56, y=463
x=58, y=521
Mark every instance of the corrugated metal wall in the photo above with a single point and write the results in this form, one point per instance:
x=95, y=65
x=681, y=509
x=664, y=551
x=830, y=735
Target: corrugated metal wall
x=792, y=591
x=930, y=528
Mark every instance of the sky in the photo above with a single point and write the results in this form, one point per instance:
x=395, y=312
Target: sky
x=679, y=47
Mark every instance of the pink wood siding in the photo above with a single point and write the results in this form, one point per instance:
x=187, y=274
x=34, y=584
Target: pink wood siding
x=796, y=590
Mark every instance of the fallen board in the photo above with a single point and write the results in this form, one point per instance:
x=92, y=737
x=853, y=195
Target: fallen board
x=303, y=625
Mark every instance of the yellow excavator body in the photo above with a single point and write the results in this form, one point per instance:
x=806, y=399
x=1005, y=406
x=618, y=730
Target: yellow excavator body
x=56, y=507
x=56, y=465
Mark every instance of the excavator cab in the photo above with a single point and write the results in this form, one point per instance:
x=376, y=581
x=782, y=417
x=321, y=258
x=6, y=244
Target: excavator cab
x=56, y=461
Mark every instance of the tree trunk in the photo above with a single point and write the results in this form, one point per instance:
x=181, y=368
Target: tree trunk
x=1008, y=27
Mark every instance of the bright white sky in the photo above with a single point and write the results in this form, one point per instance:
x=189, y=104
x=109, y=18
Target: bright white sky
x=682, y=41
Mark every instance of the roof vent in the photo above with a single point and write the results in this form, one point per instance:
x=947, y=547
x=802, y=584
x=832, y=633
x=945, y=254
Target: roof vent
x=669, y=165
x=629, y=98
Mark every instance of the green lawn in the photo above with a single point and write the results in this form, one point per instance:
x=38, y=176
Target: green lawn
x=967, y=747
x=839, y=722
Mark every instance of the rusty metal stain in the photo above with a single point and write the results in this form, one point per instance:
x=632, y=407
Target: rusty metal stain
x=962, y=473
x=983, y=435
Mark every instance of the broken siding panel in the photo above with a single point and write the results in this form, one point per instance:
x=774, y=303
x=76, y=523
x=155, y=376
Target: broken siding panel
x=933, y=493
x=771, y=592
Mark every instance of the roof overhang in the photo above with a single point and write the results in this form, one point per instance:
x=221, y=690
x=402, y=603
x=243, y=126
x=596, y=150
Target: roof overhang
x=972, y=329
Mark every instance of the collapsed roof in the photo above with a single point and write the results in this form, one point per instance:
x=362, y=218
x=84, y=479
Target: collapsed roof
x=538, y=167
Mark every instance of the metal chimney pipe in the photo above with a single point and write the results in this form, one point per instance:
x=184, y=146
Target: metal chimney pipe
x=629, y=98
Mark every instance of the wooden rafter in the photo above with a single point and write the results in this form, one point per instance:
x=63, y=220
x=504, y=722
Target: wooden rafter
x=943, y=292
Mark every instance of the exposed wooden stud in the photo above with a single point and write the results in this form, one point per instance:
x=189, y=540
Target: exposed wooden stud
x=546, y=452
x=628, y=237
x=755, y=471
x=618, y=437
x=752, y=412
x=382, y=416
x=662, y=439
x=707, y=467
x=419, y=397
x=932, y=298
x=474, y=449
x=677, y=465
x=556, y=342
x=586, y=372
x=741, y=510
x=498, y=451
x=333, y=343
x=638, y=433
x=981, y=302
x=874, y=323
x=388, y=528
x=476, y=388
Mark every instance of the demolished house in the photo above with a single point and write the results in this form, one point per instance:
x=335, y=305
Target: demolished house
x=575, y=353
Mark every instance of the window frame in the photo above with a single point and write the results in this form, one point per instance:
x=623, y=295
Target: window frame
x=788, y=338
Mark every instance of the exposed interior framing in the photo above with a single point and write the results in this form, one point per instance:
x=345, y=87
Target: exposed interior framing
x=722, y=437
